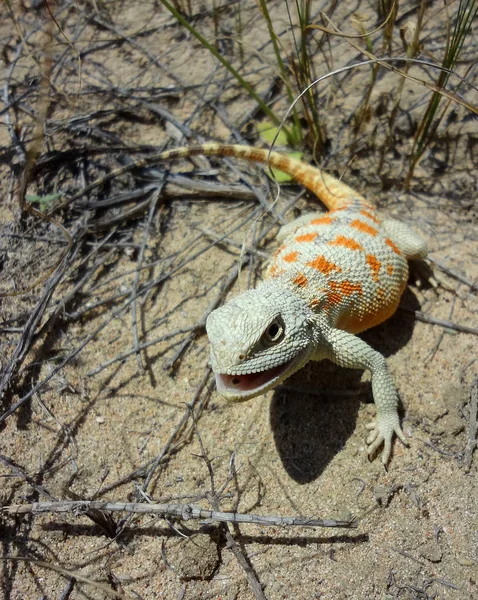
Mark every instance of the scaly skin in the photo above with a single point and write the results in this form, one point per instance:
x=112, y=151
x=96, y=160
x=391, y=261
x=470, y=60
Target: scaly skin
x=335, y=275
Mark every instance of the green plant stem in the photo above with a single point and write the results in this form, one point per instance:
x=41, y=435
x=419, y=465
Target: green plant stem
x=303, y=11
x=412, y=51
x=297, y=130
x=302, y=71
x=242, y=82
x=467, y=12
x=239, y=27
x=363, y=108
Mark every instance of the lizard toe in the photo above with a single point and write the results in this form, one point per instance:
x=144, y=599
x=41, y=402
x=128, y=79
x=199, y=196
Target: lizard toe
x=401, y=436
x=387, y=450
x=374, y=441
x=373, y=435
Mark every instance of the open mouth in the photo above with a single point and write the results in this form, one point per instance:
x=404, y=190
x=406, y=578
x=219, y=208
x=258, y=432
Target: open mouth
x=243, y=387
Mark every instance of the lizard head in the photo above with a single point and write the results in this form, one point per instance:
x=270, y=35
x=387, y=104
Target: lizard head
x=258, y=339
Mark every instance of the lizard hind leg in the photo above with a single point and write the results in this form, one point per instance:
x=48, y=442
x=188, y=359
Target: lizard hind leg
x=412, y=246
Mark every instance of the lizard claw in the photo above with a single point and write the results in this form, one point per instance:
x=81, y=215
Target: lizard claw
x=381, y=432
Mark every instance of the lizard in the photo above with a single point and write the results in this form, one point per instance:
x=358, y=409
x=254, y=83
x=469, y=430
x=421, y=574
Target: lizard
x=335, y=275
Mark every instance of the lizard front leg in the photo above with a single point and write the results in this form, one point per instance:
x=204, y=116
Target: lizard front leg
x=347, y=350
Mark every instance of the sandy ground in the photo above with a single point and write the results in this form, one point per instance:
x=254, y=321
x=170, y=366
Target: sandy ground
x=297, y=451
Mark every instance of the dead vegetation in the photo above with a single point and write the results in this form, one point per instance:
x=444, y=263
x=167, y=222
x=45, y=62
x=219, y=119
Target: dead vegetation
x=107, y=279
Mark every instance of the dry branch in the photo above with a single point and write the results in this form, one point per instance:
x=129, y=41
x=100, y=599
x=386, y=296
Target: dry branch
x=143, y=290
x=236, y=549
x=19, y=472
x=36, y=315
x=183, y=512
x=453, y=273
x=420, y=316
x=72, y=575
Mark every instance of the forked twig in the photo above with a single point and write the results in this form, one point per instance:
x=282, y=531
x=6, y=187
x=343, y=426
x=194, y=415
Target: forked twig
x=19, y=472
x=213, y=497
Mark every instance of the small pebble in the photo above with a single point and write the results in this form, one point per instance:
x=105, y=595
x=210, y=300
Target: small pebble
x=431, y=551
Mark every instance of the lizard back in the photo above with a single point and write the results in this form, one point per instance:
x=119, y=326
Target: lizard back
x=343, y=264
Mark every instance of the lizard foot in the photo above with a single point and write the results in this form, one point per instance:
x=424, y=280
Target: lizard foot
x=381, y=432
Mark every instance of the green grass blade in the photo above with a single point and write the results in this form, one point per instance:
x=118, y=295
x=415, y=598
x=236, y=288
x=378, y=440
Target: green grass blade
x=242, y=82
x=467, y=12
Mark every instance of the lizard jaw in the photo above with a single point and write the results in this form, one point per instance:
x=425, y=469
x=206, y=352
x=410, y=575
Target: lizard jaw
x=244, y=387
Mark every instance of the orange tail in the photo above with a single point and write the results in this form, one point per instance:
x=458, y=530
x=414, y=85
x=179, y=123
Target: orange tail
x=332, y=192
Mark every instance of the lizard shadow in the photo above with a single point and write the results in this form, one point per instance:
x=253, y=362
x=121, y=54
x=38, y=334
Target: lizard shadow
x=314, y=412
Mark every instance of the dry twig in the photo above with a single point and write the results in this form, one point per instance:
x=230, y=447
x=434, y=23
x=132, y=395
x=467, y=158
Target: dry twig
x=183, y=512
x=420, y=316
x=72, y=575
x=36, y=315
x=235, y=548
x=455, y=274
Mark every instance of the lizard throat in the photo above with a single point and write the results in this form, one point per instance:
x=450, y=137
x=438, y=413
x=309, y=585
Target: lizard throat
x=244, y=387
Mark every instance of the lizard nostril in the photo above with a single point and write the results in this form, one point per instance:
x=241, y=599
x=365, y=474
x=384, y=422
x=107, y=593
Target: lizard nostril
x=242, y=356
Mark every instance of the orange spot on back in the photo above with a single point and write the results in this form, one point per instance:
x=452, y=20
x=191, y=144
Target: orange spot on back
x=327, y=220
x=369, y=215
x=363, y=227
x=315, y=302
x=333, y=299
x=339, y=290
x=273, y=271
x=374, y=264
x=307, y=237
x=300, y=280
x=349, y=243
x=323, y=265
x=389, y=269
x=392, y=246
x=291, y=257
x=347, y=288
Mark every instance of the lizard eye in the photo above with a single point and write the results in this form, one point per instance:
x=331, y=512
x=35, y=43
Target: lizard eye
x=275, y=332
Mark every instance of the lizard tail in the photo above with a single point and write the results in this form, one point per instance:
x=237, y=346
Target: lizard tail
x=330, y=191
